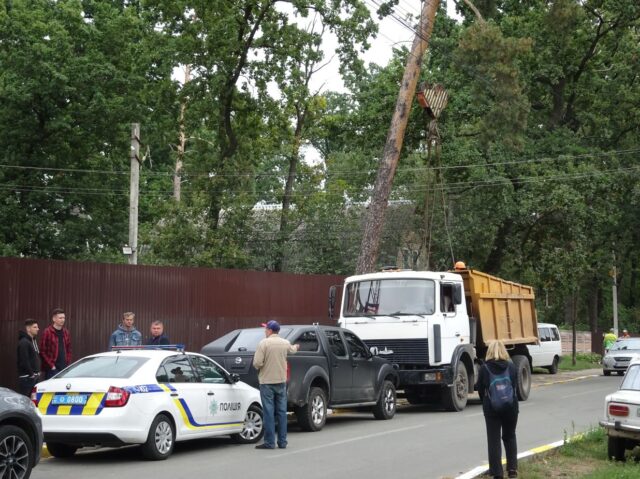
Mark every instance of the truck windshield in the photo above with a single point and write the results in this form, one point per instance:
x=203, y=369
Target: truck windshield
x=391, y=297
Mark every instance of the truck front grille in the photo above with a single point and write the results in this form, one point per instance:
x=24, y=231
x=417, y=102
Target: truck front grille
x=405, y=351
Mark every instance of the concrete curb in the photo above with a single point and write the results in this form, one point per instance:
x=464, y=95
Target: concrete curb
x=485, y=468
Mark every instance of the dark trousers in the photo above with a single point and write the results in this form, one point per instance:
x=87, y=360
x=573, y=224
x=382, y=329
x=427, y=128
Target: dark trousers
x=504, y=423
x=25, y=385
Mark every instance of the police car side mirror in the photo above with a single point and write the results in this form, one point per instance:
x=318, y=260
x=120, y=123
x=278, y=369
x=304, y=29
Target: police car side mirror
x=234, y=377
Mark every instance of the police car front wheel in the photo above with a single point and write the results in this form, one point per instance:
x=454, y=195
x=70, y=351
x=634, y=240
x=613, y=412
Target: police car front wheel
x=161, y=439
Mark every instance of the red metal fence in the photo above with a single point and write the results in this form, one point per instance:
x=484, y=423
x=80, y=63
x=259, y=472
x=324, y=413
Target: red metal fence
x=196, y=305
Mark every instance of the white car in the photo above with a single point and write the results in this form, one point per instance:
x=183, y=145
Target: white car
x=622, y=414
x=143, y=396
x=548, y=352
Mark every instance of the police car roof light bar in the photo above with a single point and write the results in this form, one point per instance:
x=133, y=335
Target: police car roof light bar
x=168, y=347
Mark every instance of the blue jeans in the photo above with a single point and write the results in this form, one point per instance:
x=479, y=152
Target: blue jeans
x=274, y=406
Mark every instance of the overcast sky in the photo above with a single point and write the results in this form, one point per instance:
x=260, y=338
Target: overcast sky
x=392, y=33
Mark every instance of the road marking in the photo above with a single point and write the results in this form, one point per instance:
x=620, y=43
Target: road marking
x=565, y=380
x=347, y=441
x=536, y=450
x=607, y=390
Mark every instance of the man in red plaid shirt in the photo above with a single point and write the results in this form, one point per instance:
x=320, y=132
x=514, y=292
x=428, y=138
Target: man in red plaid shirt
x=55, y=345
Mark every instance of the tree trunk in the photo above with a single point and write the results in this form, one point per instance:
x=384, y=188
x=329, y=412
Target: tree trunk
x=286, y=198
x=182, y=140
x=386, y=171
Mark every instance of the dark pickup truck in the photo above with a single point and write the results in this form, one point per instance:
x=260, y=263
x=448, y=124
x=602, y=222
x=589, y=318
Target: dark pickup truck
x=333, y=368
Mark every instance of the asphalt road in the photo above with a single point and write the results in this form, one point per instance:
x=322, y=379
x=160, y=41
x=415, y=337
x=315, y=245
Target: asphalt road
x=420, y=442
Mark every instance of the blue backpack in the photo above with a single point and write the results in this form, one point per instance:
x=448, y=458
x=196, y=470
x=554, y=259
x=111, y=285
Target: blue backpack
x=500, y=390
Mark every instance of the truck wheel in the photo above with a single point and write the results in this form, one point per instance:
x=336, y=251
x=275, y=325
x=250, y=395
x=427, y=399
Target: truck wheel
x=413, y=397
x=615, y=448
x=385, y=408
x=523, y=373
x=313, y=415
x=606, y=373
x=553, y=369
x=454, y=398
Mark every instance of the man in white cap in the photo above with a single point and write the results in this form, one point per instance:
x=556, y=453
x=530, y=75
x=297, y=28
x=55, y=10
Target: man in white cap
x=271, y=362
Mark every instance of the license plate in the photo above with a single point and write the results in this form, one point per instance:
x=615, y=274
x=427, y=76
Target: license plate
x=70, y=400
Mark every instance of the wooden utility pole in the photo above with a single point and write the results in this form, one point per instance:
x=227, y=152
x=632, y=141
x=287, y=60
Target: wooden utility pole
x=134, y=186
x=386, y=171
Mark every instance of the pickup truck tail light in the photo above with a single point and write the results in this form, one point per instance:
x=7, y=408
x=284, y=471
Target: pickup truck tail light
x=618, y=410
x=116, y=397
x=34, y=396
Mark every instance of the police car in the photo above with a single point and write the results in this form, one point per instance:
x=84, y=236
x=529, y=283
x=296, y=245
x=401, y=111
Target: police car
x=151, y=397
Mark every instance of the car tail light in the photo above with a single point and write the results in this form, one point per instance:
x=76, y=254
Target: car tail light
x=116, y=397
x=34, y=396
x=618, y=410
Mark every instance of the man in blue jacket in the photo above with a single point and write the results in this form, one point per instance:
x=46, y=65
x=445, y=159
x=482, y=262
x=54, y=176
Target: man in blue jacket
x=126, y=334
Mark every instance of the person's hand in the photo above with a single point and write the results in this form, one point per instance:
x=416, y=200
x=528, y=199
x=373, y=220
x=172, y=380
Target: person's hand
x=297, y=346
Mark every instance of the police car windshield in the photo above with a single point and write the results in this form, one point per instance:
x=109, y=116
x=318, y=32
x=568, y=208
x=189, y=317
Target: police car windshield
x=104, y=367
x=248, y=339
x=390, y=297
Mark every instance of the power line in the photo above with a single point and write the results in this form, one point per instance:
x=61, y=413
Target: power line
x=187, y=174
x=408, y=188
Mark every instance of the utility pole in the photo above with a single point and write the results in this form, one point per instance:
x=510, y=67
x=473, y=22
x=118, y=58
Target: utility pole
x=395, y=137
x=134, y=186
x=614, y=287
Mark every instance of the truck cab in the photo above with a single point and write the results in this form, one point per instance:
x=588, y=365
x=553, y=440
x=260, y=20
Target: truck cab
x=418, y=321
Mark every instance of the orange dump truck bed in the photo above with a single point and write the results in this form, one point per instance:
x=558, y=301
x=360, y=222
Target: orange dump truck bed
x=503, y=309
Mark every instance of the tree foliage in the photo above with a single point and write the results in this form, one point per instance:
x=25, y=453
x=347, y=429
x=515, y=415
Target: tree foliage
x=533, y=177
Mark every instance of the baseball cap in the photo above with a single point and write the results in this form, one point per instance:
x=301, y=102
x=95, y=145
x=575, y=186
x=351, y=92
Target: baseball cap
x=272, y=325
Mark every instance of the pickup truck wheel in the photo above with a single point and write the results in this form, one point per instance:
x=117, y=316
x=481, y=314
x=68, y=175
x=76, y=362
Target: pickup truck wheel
x=385, y=408
x=616, y=448
x=313, y=415
x=523, y=373
x=553, y=369
x=454, y=398
x=606, y=373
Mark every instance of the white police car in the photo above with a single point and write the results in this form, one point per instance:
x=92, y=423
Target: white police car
x=143, y=396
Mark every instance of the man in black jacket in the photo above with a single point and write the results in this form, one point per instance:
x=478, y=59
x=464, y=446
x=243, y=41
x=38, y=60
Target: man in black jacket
x=28, y=357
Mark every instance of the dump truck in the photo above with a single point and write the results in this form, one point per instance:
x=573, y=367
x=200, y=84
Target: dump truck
x=435, y=327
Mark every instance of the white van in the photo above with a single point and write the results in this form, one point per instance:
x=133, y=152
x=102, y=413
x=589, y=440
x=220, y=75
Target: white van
x=546, y=354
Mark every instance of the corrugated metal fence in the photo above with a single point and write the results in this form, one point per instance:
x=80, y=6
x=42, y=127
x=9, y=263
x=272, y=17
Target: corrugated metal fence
x=197, y=305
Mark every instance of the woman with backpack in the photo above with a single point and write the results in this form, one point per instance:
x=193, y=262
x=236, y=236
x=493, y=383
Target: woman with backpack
x=497, y=381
